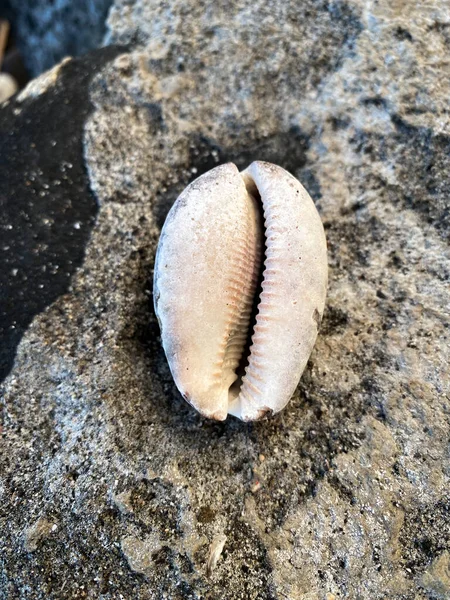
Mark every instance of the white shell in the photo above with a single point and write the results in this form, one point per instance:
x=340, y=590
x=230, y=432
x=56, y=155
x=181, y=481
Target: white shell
x=206, y=277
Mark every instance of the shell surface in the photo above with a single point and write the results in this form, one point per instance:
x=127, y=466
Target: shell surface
x=239, y=289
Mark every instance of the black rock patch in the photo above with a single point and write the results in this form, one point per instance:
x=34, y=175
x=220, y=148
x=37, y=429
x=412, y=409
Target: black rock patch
x=47, y=209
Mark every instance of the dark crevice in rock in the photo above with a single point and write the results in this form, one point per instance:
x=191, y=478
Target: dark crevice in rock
x=425, y=534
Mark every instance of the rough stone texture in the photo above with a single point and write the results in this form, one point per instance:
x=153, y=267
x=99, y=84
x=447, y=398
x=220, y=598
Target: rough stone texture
x=49, y=30
x=345, y=493
x=37, y=532
x=437, y=578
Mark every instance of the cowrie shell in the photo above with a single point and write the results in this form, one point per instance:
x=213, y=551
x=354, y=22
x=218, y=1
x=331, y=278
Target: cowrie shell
x=240, y=255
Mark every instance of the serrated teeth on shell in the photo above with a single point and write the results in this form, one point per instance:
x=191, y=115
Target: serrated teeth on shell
x=221, y=233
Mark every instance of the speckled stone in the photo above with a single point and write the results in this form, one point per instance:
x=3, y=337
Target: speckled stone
x=345, y=493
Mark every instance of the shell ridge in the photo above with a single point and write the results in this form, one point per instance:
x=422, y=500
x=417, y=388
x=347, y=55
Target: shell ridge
x=256, y=370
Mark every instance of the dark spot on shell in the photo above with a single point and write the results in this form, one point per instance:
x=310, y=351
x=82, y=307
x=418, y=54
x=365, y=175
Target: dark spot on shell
x=264, y=413
x=317, y=318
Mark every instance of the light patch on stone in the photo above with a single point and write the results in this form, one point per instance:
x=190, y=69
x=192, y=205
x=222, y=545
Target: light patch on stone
x=123, y=502
x=41, y=84
x=215, y=551
x=37, y=532
x=139, y=553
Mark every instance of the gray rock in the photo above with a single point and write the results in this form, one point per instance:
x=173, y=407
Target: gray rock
x=47, y=31
x=345, y=493
x=436, y=579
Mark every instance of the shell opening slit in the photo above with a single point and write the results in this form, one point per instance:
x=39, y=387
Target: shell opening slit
x=239, y=289
x=255, y=255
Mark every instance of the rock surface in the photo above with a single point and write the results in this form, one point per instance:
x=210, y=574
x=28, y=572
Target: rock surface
x=345, y=493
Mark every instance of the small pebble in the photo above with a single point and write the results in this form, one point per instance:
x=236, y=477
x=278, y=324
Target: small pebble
x=8, y=86
x=255, y=487
x=215, y=550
